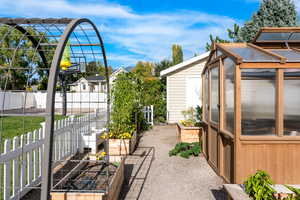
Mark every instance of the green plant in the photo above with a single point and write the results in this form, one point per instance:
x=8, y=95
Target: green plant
x=199, y=113
x=126, y=104
x=186, y=150
x=192, y=116
x=258, y=186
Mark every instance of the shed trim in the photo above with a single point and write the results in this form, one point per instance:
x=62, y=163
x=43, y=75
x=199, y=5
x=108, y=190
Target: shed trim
x=184, y=64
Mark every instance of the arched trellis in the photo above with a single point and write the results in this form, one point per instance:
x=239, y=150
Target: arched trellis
x=49, y=38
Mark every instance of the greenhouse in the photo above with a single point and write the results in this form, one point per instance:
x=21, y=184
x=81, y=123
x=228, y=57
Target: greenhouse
x=252, y=106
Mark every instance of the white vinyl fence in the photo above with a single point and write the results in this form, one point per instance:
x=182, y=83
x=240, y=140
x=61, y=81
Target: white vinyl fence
x=16, y=100
x=22, y=157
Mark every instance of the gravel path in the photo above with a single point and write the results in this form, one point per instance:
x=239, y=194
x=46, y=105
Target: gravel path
x=152, y=175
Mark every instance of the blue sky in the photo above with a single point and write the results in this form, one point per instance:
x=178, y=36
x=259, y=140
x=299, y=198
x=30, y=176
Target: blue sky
x=136, y=30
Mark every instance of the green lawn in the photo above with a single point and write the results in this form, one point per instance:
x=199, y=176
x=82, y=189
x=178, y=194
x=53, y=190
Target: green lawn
x=14, y=126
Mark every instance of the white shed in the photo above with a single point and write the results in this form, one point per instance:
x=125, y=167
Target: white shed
x=184, y=86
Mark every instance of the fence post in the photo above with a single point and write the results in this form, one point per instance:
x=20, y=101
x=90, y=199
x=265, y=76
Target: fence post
x=23, y=162
x=16, y=177
x=152, y=115
x=7, y=176
x=29, y=159
x=35, y=156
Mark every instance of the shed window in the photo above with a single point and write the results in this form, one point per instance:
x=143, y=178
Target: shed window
x=229, y=67
x=215, y=94
x=292, y=102
x=258, y=101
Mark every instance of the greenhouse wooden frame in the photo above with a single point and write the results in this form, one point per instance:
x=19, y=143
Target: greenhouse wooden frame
x=235, y=155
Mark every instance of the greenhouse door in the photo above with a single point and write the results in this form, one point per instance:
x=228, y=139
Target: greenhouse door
x=214, y=118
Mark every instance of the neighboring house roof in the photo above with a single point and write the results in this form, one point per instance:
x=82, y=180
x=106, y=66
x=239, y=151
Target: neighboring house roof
x=117, y=71
x=184, y=64
x=90, y=79
x=95, y=78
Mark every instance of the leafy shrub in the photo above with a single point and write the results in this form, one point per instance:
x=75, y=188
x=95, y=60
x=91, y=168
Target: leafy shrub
x=186, y=150
x=126, y=105
x=258, y=186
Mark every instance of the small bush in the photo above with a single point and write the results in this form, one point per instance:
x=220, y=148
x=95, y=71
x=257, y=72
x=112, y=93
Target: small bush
x=186, y=150
x=258, y=186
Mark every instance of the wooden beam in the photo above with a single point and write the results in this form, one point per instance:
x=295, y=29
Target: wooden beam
x=279, y=101
x=281, y=58
x=237, y=122
x=268, y=65
x=238, y=59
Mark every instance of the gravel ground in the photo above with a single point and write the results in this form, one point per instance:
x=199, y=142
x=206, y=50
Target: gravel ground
x=152, y=175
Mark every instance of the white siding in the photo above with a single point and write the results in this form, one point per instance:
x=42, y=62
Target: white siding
x=176, y=90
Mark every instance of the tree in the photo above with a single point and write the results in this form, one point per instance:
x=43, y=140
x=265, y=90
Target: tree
x=272, y=13
x=214, y=40
x=144, y=69
x=162, y=65
x=177, y=54
x=17, y=51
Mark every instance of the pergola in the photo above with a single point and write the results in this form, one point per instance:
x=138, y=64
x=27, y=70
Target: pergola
x=41, y=45
x=252, y=107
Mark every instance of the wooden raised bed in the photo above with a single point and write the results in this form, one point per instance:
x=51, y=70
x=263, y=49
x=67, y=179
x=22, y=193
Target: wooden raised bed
x=121, y=147
x=115, y=186
x=188, y=134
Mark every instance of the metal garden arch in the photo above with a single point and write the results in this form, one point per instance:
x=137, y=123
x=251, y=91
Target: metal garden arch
x=86, y=45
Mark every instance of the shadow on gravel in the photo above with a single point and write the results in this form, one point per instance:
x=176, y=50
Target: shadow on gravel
x=137, y=167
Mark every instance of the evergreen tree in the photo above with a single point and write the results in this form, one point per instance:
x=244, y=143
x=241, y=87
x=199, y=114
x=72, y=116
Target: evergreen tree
x=177, y=54
x=272, y=13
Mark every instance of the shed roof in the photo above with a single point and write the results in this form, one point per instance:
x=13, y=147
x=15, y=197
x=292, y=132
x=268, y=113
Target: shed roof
x=184, y=64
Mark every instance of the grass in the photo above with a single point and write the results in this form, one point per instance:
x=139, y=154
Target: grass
x=15, y=126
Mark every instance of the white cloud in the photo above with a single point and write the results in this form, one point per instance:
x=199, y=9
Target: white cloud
x=135, y=36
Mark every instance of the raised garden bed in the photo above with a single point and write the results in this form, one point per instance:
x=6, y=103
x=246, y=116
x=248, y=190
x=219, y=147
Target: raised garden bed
x=87, y=181
x=188, y=134
x=122, y=147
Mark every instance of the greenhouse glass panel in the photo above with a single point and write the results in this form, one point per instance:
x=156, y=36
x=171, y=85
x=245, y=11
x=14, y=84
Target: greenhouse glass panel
x=229, y=67
x=295, y=37
x=292, y=102
x=291, y=55
x=273, y=37
x=258, y=101
x=215, y=94
x=252, y=55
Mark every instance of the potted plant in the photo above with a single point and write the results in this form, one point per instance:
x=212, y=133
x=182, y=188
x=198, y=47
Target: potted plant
x=189, y=129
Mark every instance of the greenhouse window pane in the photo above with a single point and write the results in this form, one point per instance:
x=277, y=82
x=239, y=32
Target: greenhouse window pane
x=273, y=37
x=295, y=37
x=250, y=54
x=292, y=102
x=229, y=67
x=258, y=102
x=215, y=94
x=291, y=55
